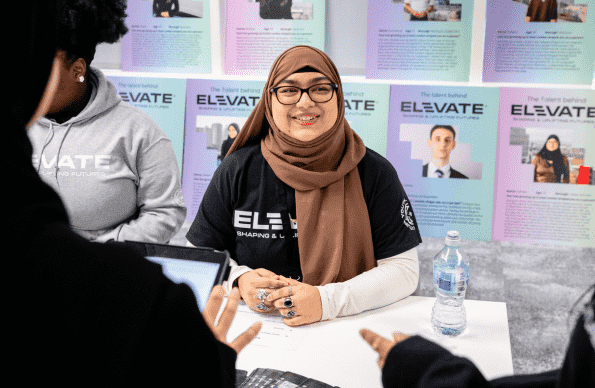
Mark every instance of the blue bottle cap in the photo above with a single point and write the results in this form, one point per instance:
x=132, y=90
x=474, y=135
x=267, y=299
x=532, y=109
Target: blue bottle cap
x=452, y=238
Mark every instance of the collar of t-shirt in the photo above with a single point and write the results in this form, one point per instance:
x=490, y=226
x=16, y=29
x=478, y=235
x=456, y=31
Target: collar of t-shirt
x=432, y=170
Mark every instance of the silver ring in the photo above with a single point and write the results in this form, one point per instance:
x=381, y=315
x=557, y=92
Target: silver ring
x=261, y=306
x=288, y=303
x=262, y=294
x=290, y=314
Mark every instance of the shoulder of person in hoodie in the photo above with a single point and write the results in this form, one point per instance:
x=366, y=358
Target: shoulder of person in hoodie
x=125, y=116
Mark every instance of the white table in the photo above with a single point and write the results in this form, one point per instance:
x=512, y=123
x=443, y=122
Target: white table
x=333, y=352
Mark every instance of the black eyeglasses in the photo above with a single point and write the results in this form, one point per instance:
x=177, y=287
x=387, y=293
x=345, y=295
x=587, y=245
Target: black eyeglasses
x=289, y=95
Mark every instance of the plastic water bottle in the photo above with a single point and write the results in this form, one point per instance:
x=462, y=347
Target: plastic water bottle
x=451, y=277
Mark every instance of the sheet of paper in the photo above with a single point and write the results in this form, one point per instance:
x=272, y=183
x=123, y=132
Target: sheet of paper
x=274, y=333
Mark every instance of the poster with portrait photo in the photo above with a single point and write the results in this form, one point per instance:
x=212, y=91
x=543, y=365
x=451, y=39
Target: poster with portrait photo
x=451, y=129
x=167, y=36
x=539, y=41
x=403, y=42
x=544, y=172
x=212, y=106
x=256, y=32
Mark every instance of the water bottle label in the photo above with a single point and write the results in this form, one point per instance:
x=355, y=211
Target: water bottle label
x=445, y=281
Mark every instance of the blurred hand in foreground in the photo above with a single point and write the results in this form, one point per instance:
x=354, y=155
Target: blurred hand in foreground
x=380, y=344
x=220, y=331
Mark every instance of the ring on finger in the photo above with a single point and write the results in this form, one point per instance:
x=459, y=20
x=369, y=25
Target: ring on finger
x=262, y=306
x=288, y=303
x=261, y=294
x=290, y=314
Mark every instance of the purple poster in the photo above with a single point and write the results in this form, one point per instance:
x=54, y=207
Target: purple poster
x=539, y=41
x=544, y=178
x=213, y=107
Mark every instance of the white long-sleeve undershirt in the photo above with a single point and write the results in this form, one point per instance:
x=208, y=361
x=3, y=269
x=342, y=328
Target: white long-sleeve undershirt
x=393, y=279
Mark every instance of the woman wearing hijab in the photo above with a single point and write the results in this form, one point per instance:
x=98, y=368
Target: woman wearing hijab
x=550, y=164
x=83, y=313
x=413, y=361
x=542, y=11
x=232, y=133
x=112, y=165
x=297, y=168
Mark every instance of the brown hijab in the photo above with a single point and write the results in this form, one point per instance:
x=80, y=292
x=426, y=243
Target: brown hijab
x=335, y=238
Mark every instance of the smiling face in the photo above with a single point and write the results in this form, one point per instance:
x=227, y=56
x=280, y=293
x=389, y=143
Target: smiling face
x=552, y=145
x=442, y=143
x=305, y=120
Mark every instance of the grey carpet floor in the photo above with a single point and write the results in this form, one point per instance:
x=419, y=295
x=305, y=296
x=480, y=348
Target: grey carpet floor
x=539, y=284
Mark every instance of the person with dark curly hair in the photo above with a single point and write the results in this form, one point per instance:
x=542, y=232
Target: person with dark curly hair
x=83, y=313
x=112, y=165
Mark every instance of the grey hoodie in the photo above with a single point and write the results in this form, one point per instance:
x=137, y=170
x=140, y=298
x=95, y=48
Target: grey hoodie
x=113, y=167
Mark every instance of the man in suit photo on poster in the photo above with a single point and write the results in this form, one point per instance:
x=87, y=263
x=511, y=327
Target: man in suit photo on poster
x=442, y=143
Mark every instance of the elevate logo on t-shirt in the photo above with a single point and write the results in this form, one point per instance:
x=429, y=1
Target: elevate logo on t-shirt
x=252, y=220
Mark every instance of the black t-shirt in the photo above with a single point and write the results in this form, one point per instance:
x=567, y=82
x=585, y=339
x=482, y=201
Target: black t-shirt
x=248, y=210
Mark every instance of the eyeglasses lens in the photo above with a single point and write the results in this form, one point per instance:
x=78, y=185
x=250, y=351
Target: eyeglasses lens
x=291, y=95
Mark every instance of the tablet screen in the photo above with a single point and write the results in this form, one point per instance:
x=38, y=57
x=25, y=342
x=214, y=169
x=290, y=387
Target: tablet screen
x=199, y=275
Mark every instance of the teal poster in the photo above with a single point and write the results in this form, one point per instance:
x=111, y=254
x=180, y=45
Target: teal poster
x=161, y=98
x=442, y=142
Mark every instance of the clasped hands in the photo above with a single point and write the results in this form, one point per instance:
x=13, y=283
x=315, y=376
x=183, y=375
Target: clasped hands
x=306, y=304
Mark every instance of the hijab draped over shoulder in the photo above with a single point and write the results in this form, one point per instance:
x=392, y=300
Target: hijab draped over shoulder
x=335, y=237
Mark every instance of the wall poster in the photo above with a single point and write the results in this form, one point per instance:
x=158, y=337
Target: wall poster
x=167, y=36
x=405, y=41
x=256, y=32
x=539, y=41
x=545, y=188
x=164, y=99
x=441, y=141
x=215, y=109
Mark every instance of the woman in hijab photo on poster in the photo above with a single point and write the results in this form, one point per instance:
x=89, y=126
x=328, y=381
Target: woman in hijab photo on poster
x=550, y=164
x=298, y=169
x=232, y=133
